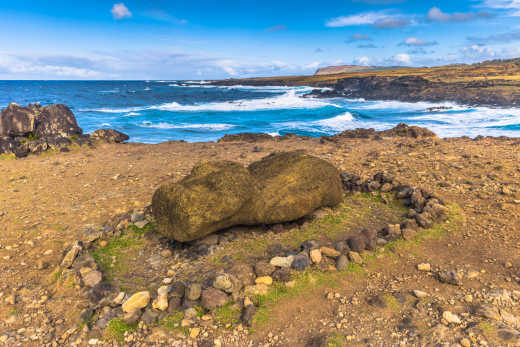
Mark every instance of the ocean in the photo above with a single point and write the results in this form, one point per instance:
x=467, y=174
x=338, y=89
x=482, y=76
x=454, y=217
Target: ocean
x=157, y=111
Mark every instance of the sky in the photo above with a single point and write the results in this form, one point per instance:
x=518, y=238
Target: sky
x=209, y=39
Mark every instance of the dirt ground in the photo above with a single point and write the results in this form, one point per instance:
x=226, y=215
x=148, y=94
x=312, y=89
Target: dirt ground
x=46, y=200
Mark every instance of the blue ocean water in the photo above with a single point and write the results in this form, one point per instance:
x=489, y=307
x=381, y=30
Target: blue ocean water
x=156, y=111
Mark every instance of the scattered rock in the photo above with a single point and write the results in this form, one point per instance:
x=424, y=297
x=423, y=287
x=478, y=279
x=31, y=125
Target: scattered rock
x=263, y=268
x=282, y=261
x=449, y=277
x=137, y=301
x=212, y=298
x=92, y=278
x=355, y=257
x=419, y=294
x=248, y=313
x=193, y=291
x=451, y=318
x=426, y=267
x=267, y=280
x=342, y=263
x=109, y=135
x=315, y=255
x=300, y=262
x=329, y=252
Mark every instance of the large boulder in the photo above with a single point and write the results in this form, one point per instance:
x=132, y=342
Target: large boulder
x=292, y=185
x=56, y=120
x=16, y=120
x=38, y=121
x=279, y=188
x=214, y=196
x=109, y=135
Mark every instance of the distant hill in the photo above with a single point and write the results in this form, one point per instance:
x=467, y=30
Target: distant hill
x=339, y=69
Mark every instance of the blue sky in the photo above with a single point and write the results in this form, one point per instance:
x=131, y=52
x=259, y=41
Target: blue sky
x=179, y=39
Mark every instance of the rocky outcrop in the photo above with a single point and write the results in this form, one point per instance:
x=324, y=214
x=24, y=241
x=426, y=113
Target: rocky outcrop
x=35, y=129
x=279, y=188
x=245, y=137
x=417, y=88
x=109, y=135
x=400, y=130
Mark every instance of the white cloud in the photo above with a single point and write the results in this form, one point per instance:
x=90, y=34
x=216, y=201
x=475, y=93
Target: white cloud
x=512, y=5
x=380, y=20
x=402, y=58
x=478, y=52
x=416, y=42
x=365, y=61
x=435, y=14
x=120, y=11
x=312, y=65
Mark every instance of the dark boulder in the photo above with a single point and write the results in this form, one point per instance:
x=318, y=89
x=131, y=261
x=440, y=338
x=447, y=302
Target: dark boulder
x=109, y=135
x=16, y=120
x=56, y=120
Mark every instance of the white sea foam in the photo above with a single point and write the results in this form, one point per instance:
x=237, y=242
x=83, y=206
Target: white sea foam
x=334, y=124
x=106, y=125
x=130, y=114
x=289, y=100
x=111, y=91
x=408, y=106
x=209, y=126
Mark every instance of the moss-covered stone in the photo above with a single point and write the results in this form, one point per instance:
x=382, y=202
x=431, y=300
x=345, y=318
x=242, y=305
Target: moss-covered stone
x=279, y=188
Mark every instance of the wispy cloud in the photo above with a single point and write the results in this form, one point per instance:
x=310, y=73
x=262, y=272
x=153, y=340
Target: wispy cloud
x=512, y=6
x=379, y=19
x=496, y=38
x=279, y=27
x=120, y=11
x=163, y=16
x=435, y=14
x=358, y=37
x=415, y=42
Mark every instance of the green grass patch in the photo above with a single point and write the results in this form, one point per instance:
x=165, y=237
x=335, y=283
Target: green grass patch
x=115, y=258
x=227, y=315
x=336, y=340
x=6, y=156
x=116, y=330
x=172, y=322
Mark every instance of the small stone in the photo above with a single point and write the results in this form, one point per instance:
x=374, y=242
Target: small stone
x=92, y=278
x=194, y=332
x=424, y=267
x=186, y=322
x=465, y=342
x=212, y=298
x=248, y=314
x=329, y=252
x=161, y=302
x=257, y=289
x=136, y=217
x=342, y=247
x=263, y=268
x=282, y=261
x=451, y=318
x=71, y=255
x=449, y=277
x=141, y=224
x=267, y=280
x=247, y=301
x=282, y=275
x=137, y=301
x=419, y=294
x=342, y=263
x=300, y=262
x=193, y=291
x=149, y=316
x=315, y=255
x=224, y=282
x=309, y=245
x=119, y=298
x=355, y=257
x=357, y=243
x=409, y=234
x=131, y=318
x=190, y=313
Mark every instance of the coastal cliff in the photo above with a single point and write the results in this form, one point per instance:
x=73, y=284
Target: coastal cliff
x=491, y=83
